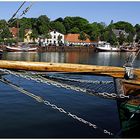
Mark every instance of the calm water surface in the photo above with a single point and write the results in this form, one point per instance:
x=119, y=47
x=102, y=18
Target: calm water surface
x=23, y=117
x=100, y=58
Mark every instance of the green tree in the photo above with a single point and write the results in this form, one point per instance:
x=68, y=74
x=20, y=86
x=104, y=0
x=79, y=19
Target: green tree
x=71, y=22
x=129, y=38
x=43, y=25
x=34, y=34
x=124, y=26
x=58, y=26
x=4, y=30
x=121, y=39
x=74, y=30
x=110, y=37
x=137, y=29
x=82, y=36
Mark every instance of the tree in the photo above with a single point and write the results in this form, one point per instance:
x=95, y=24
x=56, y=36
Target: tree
x=4, y=30
x=34, y=34
x=137, y=29
x=59, y=19
x=109, y=36
x=74, y=30
x=58, y=26
x=121, y=39
x=43, y=24
x=82, y=36
x=124, y=26
x=130, y=38
x=71, y=22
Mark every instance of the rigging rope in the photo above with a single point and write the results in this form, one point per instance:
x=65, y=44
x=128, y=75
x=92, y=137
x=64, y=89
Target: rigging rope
x=12, y=20
x=16, y=11
x=135, y=57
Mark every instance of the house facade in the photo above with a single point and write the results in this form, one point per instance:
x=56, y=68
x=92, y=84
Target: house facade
x=55, y=39
x=27, y=37
x=14, y=31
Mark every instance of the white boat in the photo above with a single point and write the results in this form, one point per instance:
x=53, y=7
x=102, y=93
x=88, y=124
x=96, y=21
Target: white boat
x=104, y=46
x=20, y=48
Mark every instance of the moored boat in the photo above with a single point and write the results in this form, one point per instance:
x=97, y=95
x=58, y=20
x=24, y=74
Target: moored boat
x=20, y=49
x=104, y=46
x=129, y=49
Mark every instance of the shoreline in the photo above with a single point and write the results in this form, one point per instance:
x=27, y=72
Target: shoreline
x=61, y=48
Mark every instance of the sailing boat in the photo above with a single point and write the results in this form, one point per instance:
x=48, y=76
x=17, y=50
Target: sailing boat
x=24, y=47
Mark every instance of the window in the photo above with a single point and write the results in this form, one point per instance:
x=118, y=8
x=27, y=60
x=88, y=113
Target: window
x=54, y=36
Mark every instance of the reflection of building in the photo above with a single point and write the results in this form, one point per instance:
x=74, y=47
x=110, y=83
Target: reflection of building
x=74, y=40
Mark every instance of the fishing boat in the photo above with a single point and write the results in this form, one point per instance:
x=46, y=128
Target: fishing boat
x=21, y=49
x=129, y=49
x=105, y=46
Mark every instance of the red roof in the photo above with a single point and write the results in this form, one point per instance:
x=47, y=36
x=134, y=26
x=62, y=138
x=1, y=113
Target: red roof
x=14, y=31
x=73, y=38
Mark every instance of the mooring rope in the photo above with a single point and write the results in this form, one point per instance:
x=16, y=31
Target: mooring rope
x=41, y=100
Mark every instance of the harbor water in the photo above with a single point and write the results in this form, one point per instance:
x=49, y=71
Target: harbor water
x=23, y=117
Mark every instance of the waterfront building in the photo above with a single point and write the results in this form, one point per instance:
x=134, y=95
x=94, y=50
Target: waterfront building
x=73, y=39
x=55, y=38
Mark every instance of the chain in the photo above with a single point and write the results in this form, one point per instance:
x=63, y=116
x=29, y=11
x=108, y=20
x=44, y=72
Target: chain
x=40, y=79
x=82, y=81
x=61, y=110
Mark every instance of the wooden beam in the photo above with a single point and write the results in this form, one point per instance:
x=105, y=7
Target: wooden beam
x=117, y=72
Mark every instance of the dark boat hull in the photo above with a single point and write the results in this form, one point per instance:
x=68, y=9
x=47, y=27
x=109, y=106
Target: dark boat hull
x=129, y=109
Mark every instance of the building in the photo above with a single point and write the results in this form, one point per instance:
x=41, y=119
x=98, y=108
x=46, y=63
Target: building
x=27, y=37
x=14, y=31
x=118, y=32
x=73, y=39
x=55, y=39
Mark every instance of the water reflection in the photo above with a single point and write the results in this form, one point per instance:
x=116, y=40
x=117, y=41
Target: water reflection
x=20, y=56
x=96, y=58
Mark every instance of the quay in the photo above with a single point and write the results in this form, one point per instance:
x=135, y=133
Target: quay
x=60, y=48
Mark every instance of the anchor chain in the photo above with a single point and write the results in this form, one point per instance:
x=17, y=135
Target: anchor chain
x=33, y=76
x=61, y=110
x=82, y=81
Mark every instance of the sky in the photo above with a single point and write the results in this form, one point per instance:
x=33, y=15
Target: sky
x=93, y=11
